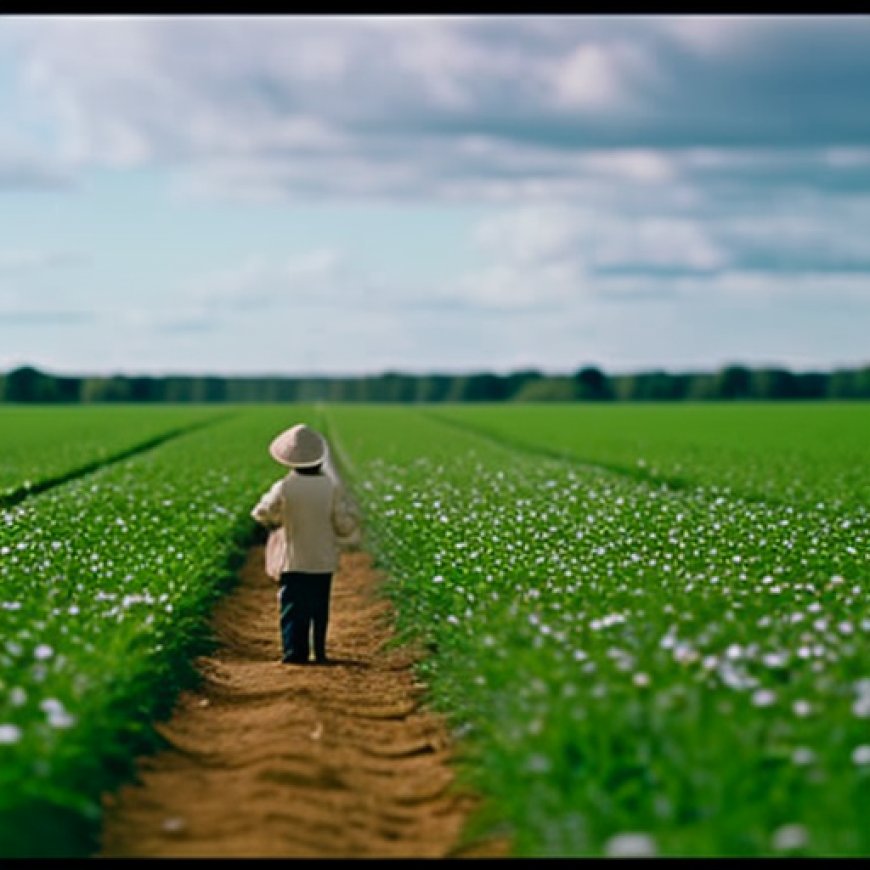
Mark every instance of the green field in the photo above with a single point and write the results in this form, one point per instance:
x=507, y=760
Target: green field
x=685, y=662
x=36, y=452
x=107, y=581
x=781, y=451
x=642, y=620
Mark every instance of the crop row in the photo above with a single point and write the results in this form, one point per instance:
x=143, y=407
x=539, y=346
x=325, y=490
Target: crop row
x=795, y=453
x=632, y=667
x=45, y=444
x=105, y=586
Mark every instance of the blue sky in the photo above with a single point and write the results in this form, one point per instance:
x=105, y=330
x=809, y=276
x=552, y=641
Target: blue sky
x=349, y=195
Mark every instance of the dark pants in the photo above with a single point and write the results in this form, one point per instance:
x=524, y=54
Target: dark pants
x=303, y=600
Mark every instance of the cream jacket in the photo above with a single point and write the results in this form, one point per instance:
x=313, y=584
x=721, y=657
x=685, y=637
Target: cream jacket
x=312, y=519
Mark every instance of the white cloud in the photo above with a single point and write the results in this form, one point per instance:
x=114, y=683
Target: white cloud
x=308, y=279
x=288, y=106
x=588, y=78
x=21, y=260
x=605, y=77
x=24, y=167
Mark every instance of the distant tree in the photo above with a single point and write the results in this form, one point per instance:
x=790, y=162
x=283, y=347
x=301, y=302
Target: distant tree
x=432, y=388
x=116, y=389
x=91, y=390
x=395, y=387
x=476, y=387
x=842, y=384
x=68, y=389
x=734, y=382
x=849, y=384
x=811, y=385
x=214, y=389
x=516, y=381
x=680, y=385
x=20, y=384
x=361, y=390
x=592, y=385
x=27, y=384
x=773, y=383
x=557, y=388
x=176, y=388
x=485, y=387
x=653, y=386
x=143, y=389
x=702, y=387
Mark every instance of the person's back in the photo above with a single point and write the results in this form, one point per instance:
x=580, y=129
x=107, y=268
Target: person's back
x=307, y=509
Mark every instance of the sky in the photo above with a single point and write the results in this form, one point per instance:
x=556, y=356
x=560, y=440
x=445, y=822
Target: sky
x=349, y=195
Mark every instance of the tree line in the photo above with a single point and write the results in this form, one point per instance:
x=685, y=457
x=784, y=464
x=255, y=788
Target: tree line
x=589, y=383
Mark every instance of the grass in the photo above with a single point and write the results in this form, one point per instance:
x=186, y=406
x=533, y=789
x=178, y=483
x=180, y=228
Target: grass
x=680, y=669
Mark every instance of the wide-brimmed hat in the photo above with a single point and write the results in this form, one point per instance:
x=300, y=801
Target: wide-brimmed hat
x=298, y=447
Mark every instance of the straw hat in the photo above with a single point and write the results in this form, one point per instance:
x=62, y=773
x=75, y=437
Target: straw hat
x=298, y=447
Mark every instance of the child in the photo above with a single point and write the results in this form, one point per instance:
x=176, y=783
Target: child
x=310, y=511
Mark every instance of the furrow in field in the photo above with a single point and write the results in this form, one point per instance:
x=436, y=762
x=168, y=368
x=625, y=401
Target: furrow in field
x=265, y=759
x=16, y=494
x=527, y=447
x=801, y=453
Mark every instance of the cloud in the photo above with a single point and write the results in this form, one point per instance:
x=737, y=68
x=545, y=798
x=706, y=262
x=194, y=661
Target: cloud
x=448, y=107
x=559, y=257
x=20, y=260
x=19, y=172
x=308, y=280
x=37, y=317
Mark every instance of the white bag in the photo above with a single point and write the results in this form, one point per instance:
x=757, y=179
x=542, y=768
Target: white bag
x=276, y=548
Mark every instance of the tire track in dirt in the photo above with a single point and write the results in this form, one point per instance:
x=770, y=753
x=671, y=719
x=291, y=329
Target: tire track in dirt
x=325, y=761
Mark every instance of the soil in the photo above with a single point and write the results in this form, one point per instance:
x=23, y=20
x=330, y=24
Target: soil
x=341, y=760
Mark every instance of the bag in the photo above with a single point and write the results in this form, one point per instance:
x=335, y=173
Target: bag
x=276, y=548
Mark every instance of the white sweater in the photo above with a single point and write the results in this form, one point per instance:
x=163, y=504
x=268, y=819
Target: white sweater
x=317, y=517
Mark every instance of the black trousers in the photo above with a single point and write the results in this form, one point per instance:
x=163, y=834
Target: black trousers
x=303, y=600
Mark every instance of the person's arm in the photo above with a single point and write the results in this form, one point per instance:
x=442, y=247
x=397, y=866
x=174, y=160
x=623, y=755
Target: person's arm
x=268, y=510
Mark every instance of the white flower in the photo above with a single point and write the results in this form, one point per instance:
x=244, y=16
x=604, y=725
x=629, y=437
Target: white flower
x=763, y=698
x=775, y=659
x=42, y=652
x=61, y=719
x=788, y=837
x=803, y=755
x=9, y=734
x=861, y=754
x=538, y=763
x=630, y=845
x=802, y=708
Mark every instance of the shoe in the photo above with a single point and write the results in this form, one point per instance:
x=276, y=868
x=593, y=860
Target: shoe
x=294, y=660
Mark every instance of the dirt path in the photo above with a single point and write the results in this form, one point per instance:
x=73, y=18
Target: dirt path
x=271, y=760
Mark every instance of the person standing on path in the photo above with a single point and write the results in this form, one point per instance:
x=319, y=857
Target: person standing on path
x=310, y=519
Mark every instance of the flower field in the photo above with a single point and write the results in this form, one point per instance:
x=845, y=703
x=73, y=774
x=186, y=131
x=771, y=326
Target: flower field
x=780, y=451
x=649, y=630
x=36, y=453
x=634, y=668
x=105, y=586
